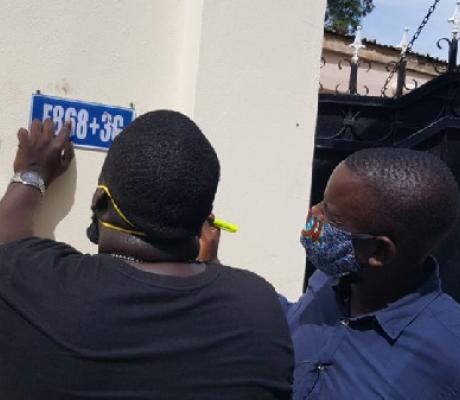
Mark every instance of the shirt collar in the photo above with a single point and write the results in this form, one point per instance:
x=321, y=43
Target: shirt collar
x=398, y=315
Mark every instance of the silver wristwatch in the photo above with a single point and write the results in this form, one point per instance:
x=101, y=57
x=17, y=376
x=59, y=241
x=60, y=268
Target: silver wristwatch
x=30, y=178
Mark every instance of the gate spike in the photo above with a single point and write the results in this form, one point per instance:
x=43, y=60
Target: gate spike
x=404, y=44
x=455, y=20
x=357, y=45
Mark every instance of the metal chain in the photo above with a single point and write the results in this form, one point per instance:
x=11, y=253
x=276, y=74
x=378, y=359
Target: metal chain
x=409, y=46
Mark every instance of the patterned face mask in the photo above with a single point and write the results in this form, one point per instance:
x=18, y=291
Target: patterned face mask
x=329, y=248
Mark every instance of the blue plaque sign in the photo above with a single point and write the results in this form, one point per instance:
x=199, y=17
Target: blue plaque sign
x=94, y=125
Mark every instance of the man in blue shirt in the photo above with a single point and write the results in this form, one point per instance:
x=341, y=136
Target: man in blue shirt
x=374, y=322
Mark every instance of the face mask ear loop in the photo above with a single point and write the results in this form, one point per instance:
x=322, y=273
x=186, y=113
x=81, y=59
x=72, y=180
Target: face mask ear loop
x=117, y=209
x=119, y=229
x=121, y=215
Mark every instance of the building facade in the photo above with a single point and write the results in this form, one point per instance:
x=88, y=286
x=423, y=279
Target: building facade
x=245, y=71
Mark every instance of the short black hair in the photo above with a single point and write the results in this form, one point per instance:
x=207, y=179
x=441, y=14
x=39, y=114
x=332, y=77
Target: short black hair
x=416, y=193
x=163, y=174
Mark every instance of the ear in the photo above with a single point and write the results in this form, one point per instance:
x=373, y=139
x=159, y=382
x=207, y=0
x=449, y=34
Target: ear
x=384, y=253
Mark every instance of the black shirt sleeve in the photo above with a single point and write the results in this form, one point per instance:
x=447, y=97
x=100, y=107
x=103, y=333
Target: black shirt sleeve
x=36, y=280
x=40, y=253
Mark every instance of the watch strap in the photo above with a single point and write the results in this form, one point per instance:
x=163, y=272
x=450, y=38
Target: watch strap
x=37, y=182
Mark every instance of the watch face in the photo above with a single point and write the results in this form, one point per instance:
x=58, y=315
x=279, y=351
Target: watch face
x=32, y=177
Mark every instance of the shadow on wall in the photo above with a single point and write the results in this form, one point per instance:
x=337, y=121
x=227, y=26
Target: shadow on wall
x=59, y=200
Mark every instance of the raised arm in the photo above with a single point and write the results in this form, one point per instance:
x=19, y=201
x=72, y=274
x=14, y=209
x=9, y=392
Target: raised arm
x=41, y=157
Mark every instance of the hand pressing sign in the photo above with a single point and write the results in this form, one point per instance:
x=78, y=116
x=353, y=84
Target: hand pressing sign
x=43, y=152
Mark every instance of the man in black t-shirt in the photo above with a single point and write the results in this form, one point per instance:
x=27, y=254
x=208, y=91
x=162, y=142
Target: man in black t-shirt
x=142, y=319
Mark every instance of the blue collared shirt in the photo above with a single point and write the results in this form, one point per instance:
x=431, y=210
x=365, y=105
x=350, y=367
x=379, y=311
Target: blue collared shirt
x=409, y=350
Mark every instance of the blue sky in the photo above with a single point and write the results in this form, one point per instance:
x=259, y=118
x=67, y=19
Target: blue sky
x=386, y=23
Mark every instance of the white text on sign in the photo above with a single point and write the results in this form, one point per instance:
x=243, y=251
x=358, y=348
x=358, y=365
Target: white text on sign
x=107, y=128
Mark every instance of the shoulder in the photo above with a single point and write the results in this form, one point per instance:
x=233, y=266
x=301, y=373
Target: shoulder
x=34, y=262
x=446, y=340
x=319, y=284
x=34, y=252
x=253, y=293
x=446, y=311
x=319, y=292
x=35, y=244
x=246, y=278
x=437, y=333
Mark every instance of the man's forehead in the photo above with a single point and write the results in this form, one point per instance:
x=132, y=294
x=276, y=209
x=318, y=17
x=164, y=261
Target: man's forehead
x=343, y=180
x=349, y=198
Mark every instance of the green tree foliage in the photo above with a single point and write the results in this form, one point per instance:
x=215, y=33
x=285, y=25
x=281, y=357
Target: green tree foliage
x=345, y=15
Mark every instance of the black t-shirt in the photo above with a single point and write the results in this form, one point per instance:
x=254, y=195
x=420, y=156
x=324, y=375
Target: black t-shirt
x=76, y=326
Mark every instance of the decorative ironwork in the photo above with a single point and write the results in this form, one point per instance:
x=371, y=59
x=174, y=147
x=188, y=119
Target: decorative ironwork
x=402, y=67
x=455, y=20
x=409, y=45
x=427, y=118
x=353, y=81
x=404, y=44
x=366, y=121
x=354, y=64
x=322, y=65
x=357, y=45
x=453, y=44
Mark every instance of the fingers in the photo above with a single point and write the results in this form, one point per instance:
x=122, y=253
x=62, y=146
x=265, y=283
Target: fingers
x=209, y=243
x=64, y=135
x=48, y=155
x=48, y=128
x=64, y=143
x=209, y=224
x=67, y=154
x=35, y=130
x=23, y=135
x=210, y=232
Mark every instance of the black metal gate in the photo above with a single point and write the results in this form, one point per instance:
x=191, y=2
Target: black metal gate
x=427, y=118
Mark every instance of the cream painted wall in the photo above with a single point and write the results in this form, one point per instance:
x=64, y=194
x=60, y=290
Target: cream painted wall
x=110, y=51
x=257, y=101
x=247, y=71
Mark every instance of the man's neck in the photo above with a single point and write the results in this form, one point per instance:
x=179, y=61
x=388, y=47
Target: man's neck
x=174, y=258
x=372, y=291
